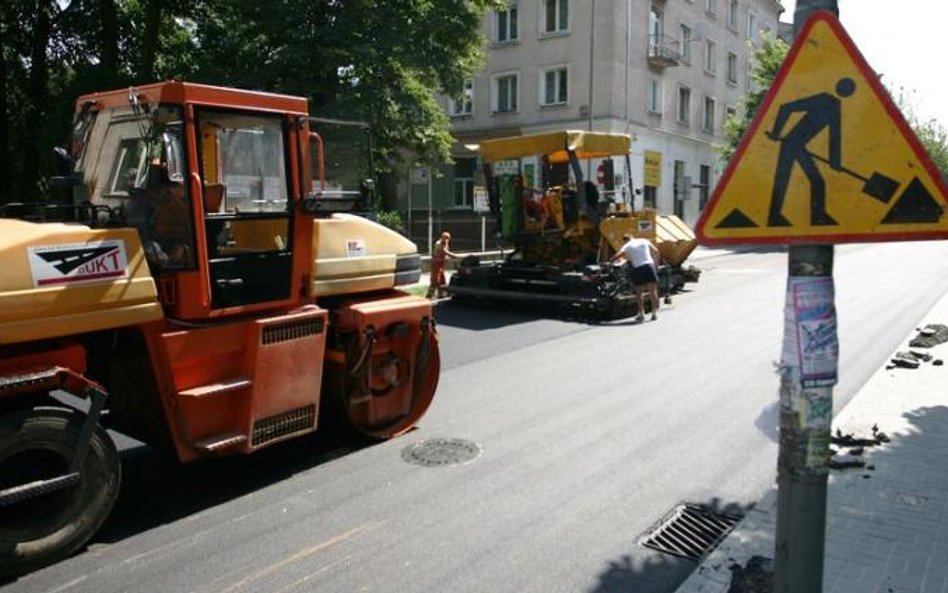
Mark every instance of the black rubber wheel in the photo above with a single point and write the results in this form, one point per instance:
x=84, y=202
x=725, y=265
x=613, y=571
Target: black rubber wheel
x=36, y=445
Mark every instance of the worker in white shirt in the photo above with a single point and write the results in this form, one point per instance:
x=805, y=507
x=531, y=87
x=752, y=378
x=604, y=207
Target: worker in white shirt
x=642, y=257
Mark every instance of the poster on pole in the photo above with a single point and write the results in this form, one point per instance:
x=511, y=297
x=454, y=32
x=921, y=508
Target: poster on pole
x=817, y=345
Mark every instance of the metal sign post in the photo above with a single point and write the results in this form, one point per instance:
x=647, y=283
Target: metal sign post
x=482, y=206
x=430, y=222
x=808, y=367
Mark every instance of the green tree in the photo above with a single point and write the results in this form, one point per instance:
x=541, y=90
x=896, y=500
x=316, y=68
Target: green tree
x=51, y=51
x=930, y=132
x=765, y=62
x=934, y=138
x=375, y=60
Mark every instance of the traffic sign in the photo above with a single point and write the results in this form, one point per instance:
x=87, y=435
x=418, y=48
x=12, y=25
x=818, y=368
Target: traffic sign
x=827, y=159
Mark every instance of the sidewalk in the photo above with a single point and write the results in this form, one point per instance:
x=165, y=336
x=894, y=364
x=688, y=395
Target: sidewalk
x=886, y=524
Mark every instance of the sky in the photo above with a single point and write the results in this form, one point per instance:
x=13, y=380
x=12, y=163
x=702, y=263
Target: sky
x=906, y=42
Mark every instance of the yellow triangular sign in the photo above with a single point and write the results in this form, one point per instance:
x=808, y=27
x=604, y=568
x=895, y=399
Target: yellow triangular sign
x=827, y=159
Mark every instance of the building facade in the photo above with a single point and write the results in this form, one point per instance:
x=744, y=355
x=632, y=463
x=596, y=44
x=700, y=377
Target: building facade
x=665, y=71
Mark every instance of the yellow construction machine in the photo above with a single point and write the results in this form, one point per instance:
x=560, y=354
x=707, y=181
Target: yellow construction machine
x=203, y=285
x=564, y=229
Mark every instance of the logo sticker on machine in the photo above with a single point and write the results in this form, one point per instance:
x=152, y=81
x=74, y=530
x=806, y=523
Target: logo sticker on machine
x=72, y=263
x=355, y=248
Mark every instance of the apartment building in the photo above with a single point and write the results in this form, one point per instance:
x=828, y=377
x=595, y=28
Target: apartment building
x=666, y=71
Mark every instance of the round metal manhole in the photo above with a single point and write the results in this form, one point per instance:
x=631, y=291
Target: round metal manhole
x=441, y=452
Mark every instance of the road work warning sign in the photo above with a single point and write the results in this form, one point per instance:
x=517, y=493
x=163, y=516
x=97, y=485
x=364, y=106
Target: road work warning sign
x=828, y=158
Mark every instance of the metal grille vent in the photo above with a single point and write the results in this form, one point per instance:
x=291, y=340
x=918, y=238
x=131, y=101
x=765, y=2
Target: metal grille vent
x=690, y=531
x=440, y=452
x=285, y=332
x=274, y=427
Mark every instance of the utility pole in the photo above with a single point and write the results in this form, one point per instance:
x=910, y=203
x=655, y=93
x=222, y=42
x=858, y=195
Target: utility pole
x=806, y=404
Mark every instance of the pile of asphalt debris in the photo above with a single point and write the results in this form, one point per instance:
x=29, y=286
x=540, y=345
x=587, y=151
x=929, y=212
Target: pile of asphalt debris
x=846, y=450
x=756, y=577
x=928, y=337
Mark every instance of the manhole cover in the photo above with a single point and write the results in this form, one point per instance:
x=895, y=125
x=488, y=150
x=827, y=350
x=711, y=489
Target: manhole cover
x=690, y=531
x=441, y=452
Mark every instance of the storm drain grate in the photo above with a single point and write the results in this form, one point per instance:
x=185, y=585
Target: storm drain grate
x=441, y=452
x=690, y=531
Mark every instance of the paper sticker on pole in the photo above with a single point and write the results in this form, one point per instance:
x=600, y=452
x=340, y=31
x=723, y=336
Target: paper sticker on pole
x=828, y=158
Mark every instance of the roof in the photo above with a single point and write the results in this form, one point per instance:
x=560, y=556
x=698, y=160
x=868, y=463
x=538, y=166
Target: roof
x=178, y=93
x=554, y=145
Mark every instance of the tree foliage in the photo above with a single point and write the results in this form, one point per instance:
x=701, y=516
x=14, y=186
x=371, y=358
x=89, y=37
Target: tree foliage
x=932, y=134
x=376, y=60
x=765, y=62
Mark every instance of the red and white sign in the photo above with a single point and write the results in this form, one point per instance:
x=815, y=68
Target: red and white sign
x=73, y=263
x=355, y=248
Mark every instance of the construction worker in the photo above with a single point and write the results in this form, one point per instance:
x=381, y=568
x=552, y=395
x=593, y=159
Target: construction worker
x=440, y=251
x=642, y=257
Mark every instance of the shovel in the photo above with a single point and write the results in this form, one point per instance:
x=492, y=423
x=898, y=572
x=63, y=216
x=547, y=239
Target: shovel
x=876, y=186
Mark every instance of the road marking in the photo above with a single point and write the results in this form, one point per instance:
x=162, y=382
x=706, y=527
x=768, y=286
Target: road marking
x=301, y=555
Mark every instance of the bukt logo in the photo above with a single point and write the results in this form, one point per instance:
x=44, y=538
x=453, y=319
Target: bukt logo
x=82, y=262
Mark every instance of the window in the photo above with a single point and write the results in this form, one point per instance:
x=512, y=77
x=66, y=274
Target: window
x=751, y=25
x=656, y=26
x=730, y=112
x=129, y=169
x=143, y=164
x=711, y=6
x=506, y=24
x=463, y=105
x=704, y=185
x=732, y=67
x=684, y=38
x=656, y=30
x=555, y=86
x=555, y=16
x=710, y=57
x=505, y=93
x=654, y=99
x=707, y=123
x=464, y=182
x=649, y=197
x=732, y=12
x=246, y=154
x=684, y=105
x=681, y=188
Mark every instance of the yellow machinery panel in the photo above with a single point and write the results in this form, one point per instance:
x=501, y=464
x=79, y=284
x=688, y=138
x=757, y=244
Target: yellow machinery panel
x=354, y=254
x=62, y=279
x=672, y=237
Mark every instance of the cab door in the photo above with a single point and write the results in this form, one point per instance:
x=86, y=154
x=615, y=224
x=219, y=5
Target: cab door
x=248, y=209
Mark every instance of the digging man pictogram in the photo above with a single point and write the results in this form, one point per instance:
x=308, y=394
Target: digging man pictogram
x=822, y=111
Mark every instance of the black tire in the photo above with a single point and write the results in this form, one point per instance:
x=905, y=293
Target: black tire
x=39, y=444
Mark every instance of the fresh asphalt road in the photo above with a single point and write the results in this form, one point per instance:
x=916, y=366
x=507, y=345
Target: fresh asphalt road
x=589, y=433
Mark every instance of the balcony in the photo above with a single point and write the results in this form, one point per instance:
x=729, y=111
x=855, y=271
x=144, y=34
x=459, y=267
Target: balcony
x=663, y=51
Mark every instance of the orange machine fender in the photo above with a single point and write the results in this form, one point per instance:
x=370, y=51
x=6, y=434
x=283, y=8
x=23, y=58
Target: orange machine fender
x=383, y=366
